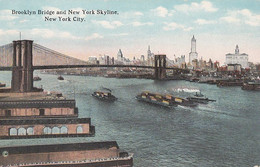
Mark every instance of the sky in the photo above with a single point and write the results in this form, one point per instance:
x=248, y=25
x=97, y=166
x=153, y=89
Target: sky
x=166, y=25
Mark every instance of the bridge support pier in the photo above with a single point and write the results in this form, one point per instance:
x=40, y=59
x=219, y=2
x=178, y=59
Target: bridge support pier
x=160, y=67
x=22, y=70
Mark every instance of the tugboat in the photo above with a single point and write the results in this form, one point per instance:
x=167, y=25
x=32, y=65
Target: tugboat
x=200, y=98
x=156, y=99
x=104, y=96
x=37, y=78
x=60, y=78
x=251, y=86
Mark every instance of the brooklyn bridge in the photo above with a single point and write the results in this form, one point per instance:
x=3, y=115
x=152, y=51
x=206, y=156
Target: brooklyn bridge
x=22, y=57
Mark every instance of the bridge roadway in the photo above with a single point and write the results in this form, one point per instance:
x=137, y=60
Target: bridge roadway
x=89, y=66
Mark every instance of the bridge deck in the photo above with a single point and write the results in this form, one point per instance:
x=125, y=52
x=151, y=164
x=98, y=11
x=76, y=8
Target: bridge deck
x=88, y=66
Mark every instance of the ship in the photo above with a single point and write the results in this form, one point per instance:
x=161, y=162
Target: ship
x=60, y=78
x=200, y=98
x=157, y=99
x=37, y=78
x=104, y=96
x=2, y=84
x=251, y=86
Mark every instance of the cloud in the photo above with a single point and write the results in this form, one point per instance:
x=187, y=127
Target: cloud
x=138, y=14
x=244, y=16
x=94, y=36
x=7, y=15
x=205, y=6
x=23, y=21
x=107, y=24
x=203, y=21
x=230, y=19
x=47, y=33
x=137, y=24
x=174, y=26
x=162, y=12
x=120, y=34
x=9, y=32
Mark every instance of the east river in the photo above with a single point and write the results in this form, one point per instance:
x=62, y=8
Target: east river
x=221, y=134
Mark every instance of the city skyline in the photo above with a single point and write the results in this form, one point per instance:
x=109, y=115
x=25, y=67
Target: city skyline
x=164, y=25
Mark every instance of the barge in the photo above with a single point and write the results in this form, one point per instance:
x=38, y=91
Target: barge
x=157, y=99
x=184, y=102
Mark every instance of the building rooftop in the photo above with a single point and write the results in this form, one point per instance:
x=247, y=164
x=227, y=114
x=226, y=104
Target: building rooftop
x=59, y=147
x=31, y=96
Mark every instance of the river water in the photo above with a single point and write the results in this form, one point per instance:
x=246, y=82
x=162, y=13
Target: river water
x=220, y=134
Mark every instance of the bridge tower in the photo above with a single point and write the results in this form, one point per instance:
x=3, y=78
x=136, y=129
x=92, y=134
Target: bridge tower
x=22, y=70
x=160, y=66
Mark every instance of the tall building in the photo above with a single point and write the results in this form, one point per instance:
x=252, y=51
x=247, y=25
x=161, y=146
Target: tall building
x=149, y=53
x=193, y=54
x=237, y=58
x=120, y=56
x=150, y=57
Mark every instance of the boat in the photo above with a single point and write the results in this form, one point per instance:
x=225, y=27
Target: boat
x=184, y=102
x=37, y=78
x=200, y=98
x=60, y=78
x=198, y=94
x=230, y=82
x=2, y=84
x=157, y=99
x=251, y=86
x=194, y=79
x=105, y=96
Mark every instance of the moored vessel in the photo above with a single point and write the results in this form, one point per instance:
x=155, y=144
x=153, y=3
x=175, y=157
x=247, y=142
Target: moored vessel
x=2, y=84
x=251, y=86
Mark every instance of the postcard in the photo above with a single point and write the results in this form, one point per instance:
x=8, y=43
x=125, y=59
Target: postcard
x=129, y=83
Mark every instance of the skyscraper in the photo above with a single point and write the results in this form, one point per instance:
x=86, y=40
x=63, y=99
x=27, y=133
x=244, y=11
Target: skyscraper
x=193, y=54
x=150, y=57
x=120, y=56
x=149, y=53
